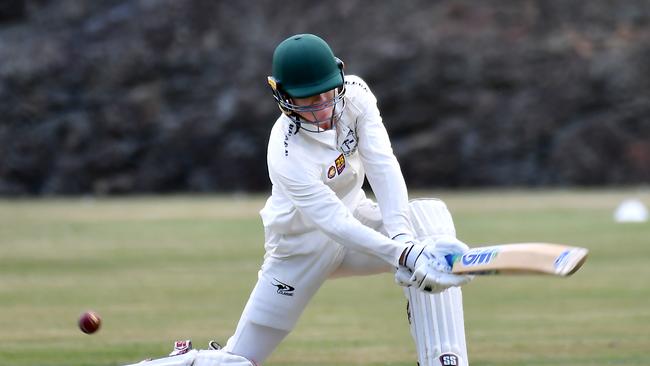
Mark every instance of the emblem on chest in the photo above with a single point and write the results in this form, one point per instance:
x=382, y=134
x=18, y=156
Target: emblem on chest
x=337, y=168
x=347, y=141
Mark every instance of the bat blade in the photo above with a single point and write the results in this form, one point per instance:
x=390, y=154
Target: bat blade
x=520, y=258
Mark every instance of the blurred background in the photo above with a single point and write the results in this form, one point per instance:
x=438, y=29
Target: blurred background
x=154, y=96
x=134, y=99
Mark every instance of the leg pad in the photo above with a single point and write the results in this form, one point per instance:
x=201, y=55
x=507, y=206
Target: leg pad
x=436, y=320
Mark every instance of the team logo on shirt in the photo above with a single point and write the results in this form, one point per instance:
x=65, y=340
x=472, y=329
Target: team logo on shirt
x=331, y=172
x=348, y=144
x=340, y=163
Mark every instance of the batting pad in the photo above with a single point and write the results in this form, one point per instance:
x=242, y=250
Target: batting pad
x=436, y=320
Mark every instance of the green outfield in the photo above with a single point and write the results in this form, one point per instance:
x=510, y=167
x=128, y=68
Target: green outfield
x=164, y=268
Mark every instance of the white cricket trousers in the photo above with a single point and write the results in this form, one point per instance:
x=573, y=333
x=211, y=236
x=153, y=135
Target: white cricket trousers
x=294, y=268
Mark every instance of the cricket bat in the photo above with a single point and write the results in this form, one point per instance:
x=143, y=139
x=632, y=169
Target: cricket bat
x=520, y=258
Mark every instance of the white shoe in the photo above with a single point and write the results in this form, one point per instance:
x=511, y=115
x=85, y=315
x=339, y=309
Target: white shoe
x=213, y=345
x=181, y=347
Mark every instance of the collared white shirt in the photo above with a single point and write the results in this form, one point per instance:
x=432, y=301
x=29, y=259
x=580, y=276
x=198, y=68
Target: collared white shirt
x=317, y=178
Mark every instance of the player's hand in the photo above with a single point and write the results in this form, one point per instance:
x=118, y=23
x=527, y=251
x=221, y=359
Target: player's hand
x=403, y=277
x=427, y=262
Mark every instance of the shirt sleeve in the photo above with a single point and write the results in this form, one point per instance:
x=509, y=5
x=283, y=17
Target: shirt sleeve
x=382, y=169
x=318, y=203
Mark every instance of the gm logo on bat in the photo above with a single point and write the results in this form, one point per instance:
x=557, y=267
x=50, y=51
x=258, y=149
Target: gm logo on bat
x=563, y=258
x=478, y=257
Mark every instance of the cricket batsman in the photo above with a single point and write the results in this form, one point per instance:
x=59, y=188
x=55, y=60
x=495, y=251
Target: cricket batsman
x=319, y=224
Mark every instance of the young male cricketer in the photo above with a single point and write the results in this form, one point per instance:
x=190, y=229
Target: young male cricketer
x=319, y=224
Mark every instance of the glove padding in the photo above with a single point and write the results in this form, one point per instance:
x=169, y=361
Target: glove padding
x=425, y=265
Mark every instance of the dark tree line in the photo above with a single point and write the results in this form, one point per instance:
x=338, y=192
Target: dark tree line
x=162, y=95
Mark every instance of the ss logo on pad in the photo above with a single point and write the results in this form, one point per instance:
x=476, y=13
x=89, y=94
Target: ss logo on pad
x=448, y=359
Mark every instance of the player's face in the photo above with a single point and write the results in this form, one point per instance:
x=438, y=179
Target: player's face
x=321, y=108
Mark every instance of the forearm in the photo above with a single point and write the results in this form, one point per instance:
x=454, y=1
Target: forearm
x=354, y=235
x=321, y=206
x=391, y=194
x=385, y=177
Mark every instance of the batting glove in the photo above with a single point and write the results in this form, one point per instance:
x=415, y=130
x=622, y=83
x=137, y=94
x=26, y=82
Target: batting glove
x=427, y=262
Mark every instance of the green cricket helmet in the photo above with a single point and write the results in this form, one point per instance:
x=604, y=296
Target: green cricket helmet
x=303, y=66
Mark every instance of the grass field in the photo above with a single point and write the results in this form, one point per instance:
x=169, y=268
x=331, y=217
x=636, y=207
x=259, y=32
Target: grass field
x=165, y=268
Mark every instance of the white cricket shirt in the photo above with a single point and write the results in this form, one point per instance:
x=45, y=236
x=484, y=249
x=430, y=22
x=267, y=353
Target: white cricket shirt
x=317, y=178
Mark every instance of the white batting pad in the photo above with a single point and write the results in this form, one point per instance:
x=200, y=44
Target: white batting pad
x=431, y=218
x=436, y=320
x=438, y=327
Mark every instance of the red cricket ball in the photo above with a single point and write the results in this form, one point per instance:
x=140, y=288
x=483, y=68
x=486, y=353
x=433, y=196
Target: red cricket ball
x=89, y=322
